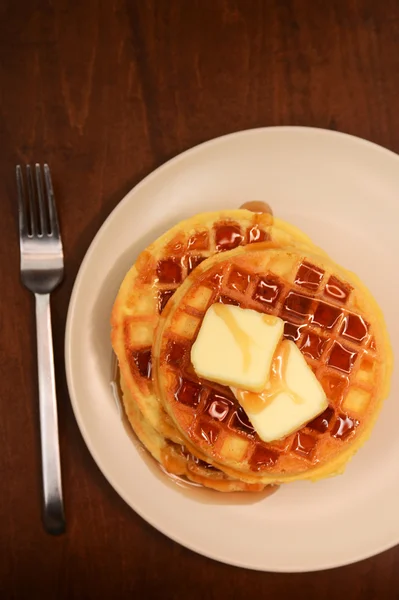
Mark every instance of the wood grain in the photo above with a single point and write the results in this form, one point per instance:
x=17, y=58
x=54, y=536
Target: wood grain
x=105, y=91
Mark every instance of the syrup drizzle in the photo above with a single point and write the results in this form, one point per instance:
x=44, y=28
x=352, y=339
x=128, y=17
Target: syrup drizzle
x=253, y=402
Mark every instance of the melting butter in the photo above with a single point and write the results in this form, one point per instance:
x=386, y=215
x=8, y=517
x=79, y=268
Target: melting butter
x=241, y=337
x=292, y=397
x=255, y=403
x=235, y=346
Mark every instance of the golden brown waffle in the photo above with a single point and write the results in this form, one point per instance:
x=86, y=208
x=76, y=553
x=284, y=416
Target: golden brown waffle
x=332, y=318
x=158, y=272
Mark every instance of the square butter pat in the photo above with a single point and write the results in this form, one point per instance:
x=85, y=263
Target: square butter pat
x=235, y=346
x=295, y=401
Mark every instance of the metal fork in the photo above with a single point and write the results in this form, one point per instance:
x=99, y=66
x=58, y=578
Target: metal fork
x=42, y=269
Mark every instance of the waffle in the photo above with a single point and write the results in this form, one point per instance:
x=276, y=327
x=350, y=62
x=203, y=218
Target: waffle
x=158, y=272
x=146, y=289
x=334, y=321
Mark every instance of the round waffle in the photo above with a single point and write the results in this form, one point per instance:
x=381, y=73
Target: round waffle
x=155, y=276
x=146, y=289
x=334, y=321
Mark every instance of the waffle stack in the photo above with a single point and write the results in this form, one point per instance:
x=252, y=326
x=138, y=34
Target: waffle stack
x=195, y=428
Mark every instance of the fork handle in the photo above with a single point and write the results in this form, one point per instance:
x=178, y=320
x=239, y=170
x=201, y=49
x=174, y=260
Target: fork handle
x=53, y=508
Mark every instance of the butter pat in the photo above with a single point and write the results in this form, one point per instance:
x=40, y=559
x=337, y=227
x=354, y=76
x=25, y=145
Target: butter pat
x=292, y=398
x=235, y=346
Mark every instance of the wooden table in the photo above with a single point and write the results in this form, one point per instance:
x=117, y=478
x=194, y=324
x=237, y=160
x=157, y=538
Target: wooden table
x=105, y=91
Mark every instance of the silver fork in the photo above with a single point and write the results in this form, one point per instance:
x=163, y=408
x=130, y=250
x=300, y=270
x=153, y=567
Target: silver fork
x=42, y=269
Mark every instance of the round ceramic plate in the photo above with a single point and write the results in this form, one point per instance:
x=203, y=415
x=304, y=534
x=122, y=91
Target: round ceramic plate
x=343, y=192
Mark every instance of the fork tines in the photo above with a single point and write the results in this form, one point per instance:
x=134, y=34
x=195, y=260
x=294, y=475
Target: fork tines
x=37, y=210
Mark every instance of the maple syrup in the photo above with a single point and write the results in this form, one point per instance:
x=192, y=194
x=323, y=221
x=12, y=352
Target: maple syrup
x=263, y=458
x=238, y=280
x=342, y=358
x=169, y=271
x=188, y=393
x=268, y=290
x=322, y=422
x=254, y=402
x=143, y=361
x=256, y=235
x=228, y=237
x=257, y=206
x=304, y=444
x=163, y=298
x=309, y=276
x=337, y=289
x=344, y=426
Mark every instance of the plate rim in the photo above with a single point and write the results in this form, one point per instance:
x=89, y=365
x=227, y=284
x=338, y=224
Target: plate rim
x=328, y=565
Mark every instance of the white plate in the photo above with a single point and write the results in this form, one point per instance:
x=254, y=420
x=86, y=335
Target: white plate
x=343, y=192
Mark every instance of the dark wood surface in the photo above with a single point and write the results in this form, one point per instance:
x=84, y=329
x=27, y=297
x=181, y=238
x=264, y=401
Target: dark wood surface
x=105, y=91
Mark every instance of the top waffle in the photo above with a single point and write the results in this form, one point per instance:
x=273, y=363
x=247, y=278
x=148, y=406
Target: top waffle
x=334, y=321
